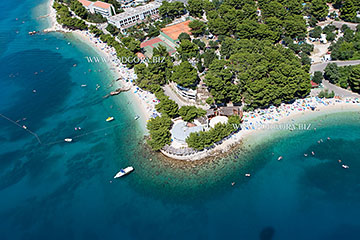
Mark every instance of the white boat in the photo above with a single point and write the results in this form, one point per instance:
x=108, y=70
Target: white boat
x=247, y=175
x=137, y=117
x=280, y=158
x=109, y=119
x=83, y=85
x=68, y=139
x=124, y=171
x=345, y=166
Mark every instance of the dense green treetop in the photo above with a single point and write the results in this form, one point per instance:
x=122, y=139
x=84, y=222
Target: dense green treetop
x=318, y=77
x=201, y=140
x=131, y=43
x=195, y=8
x=197, y=27
x=167, y=107
x=63, y=16
x=184, y=36
x=187, y=49
x=348, y=10
x=220, y=81
x=189, y=113
x=160, y=51
x=346, y=47
x=185, y=75
x=354, y=79
x=159, y=132
x=171, y=9
x=319, y=9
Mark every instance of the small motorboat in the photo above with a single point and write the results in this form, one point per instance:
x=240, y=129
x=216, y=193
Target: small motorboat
x=124, y=172
x=233, y=183
x=68, y=140
x=136, y=117
x=281, y=157
x=24, y=127
x=109, y=119
x=345, y=166
x=83, y=85
x=313, y=153
x=247, y=175
x=305, y=155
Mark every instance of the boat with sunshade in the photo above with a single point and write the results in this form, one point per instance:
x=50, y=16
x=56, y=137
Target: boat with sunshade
x=109, y=119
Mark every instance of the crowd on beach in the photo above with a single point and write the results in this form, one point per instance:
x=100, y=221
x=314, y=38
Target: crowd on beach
x=258, y=118
x=124, y=75
x=146, y=100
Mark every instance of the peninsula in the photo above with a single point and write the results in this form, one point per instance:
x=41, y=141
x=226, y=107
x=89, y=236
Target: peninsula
x=217, y=71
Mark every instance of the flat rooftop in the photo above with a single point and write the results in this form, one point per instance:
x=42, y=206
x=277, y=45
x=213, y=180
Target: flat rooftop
x=129, y=12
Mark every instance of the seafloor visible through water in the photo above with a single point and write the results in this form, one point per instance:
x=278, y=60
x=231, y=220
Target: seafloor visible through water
x=56, y=190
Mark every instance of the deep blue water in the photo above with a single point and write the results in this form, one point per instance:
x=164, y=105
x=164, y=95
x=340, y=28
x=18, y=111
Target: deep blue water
x=55, y=190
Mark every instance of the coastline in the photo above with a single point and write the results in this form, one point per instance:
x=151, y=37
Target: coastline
x=144, y=102
x=261, y=131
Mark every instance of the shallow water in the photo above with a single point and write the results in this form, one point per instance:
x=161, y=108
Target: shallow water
x=55, y=190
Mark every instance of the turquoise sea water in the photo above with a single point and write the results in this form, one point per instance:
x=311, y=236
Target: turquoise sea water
x=55, y=190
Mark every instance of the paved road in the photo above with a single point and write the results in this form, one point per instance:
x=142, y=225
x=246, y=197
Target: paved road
x=321, y=66
x=339, y=24
x=338, y=90
x=169, y=92
x=331, y=87
x=173, y=96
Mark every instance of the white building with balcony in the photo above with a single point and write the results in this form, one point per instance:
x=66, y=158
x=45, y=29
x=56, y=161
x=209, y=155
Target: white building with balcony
x=132, y=15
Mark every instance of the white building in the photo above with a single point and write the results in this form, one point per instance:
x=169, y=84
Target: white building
x=105, y=9
x=186, y=93
x=326, y=57
x=323, y=38
x=126, y=3
x=133, y=15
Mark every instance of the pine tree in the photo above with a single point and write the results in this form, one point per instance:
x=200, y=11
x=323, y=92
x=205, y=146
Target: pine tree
x=354, y=79
x=348, y=11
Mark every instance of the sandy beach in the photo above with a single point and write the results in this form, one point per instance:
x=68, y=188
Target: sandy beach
x=145, y=102
x=284, y=117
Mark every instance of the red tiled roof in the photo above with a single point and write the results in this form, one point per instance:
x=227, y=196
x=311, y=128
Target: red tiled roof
x=314, y=84
x=85, y=3
x=102, y=5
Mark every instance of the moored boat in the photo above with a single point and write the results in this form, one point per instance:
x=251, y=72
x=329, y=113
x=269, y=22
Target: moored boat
x=68, y=139
x=124, y=172
x=136, y=117
x=345, y=166
x=109, y=119
x=33, y=33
